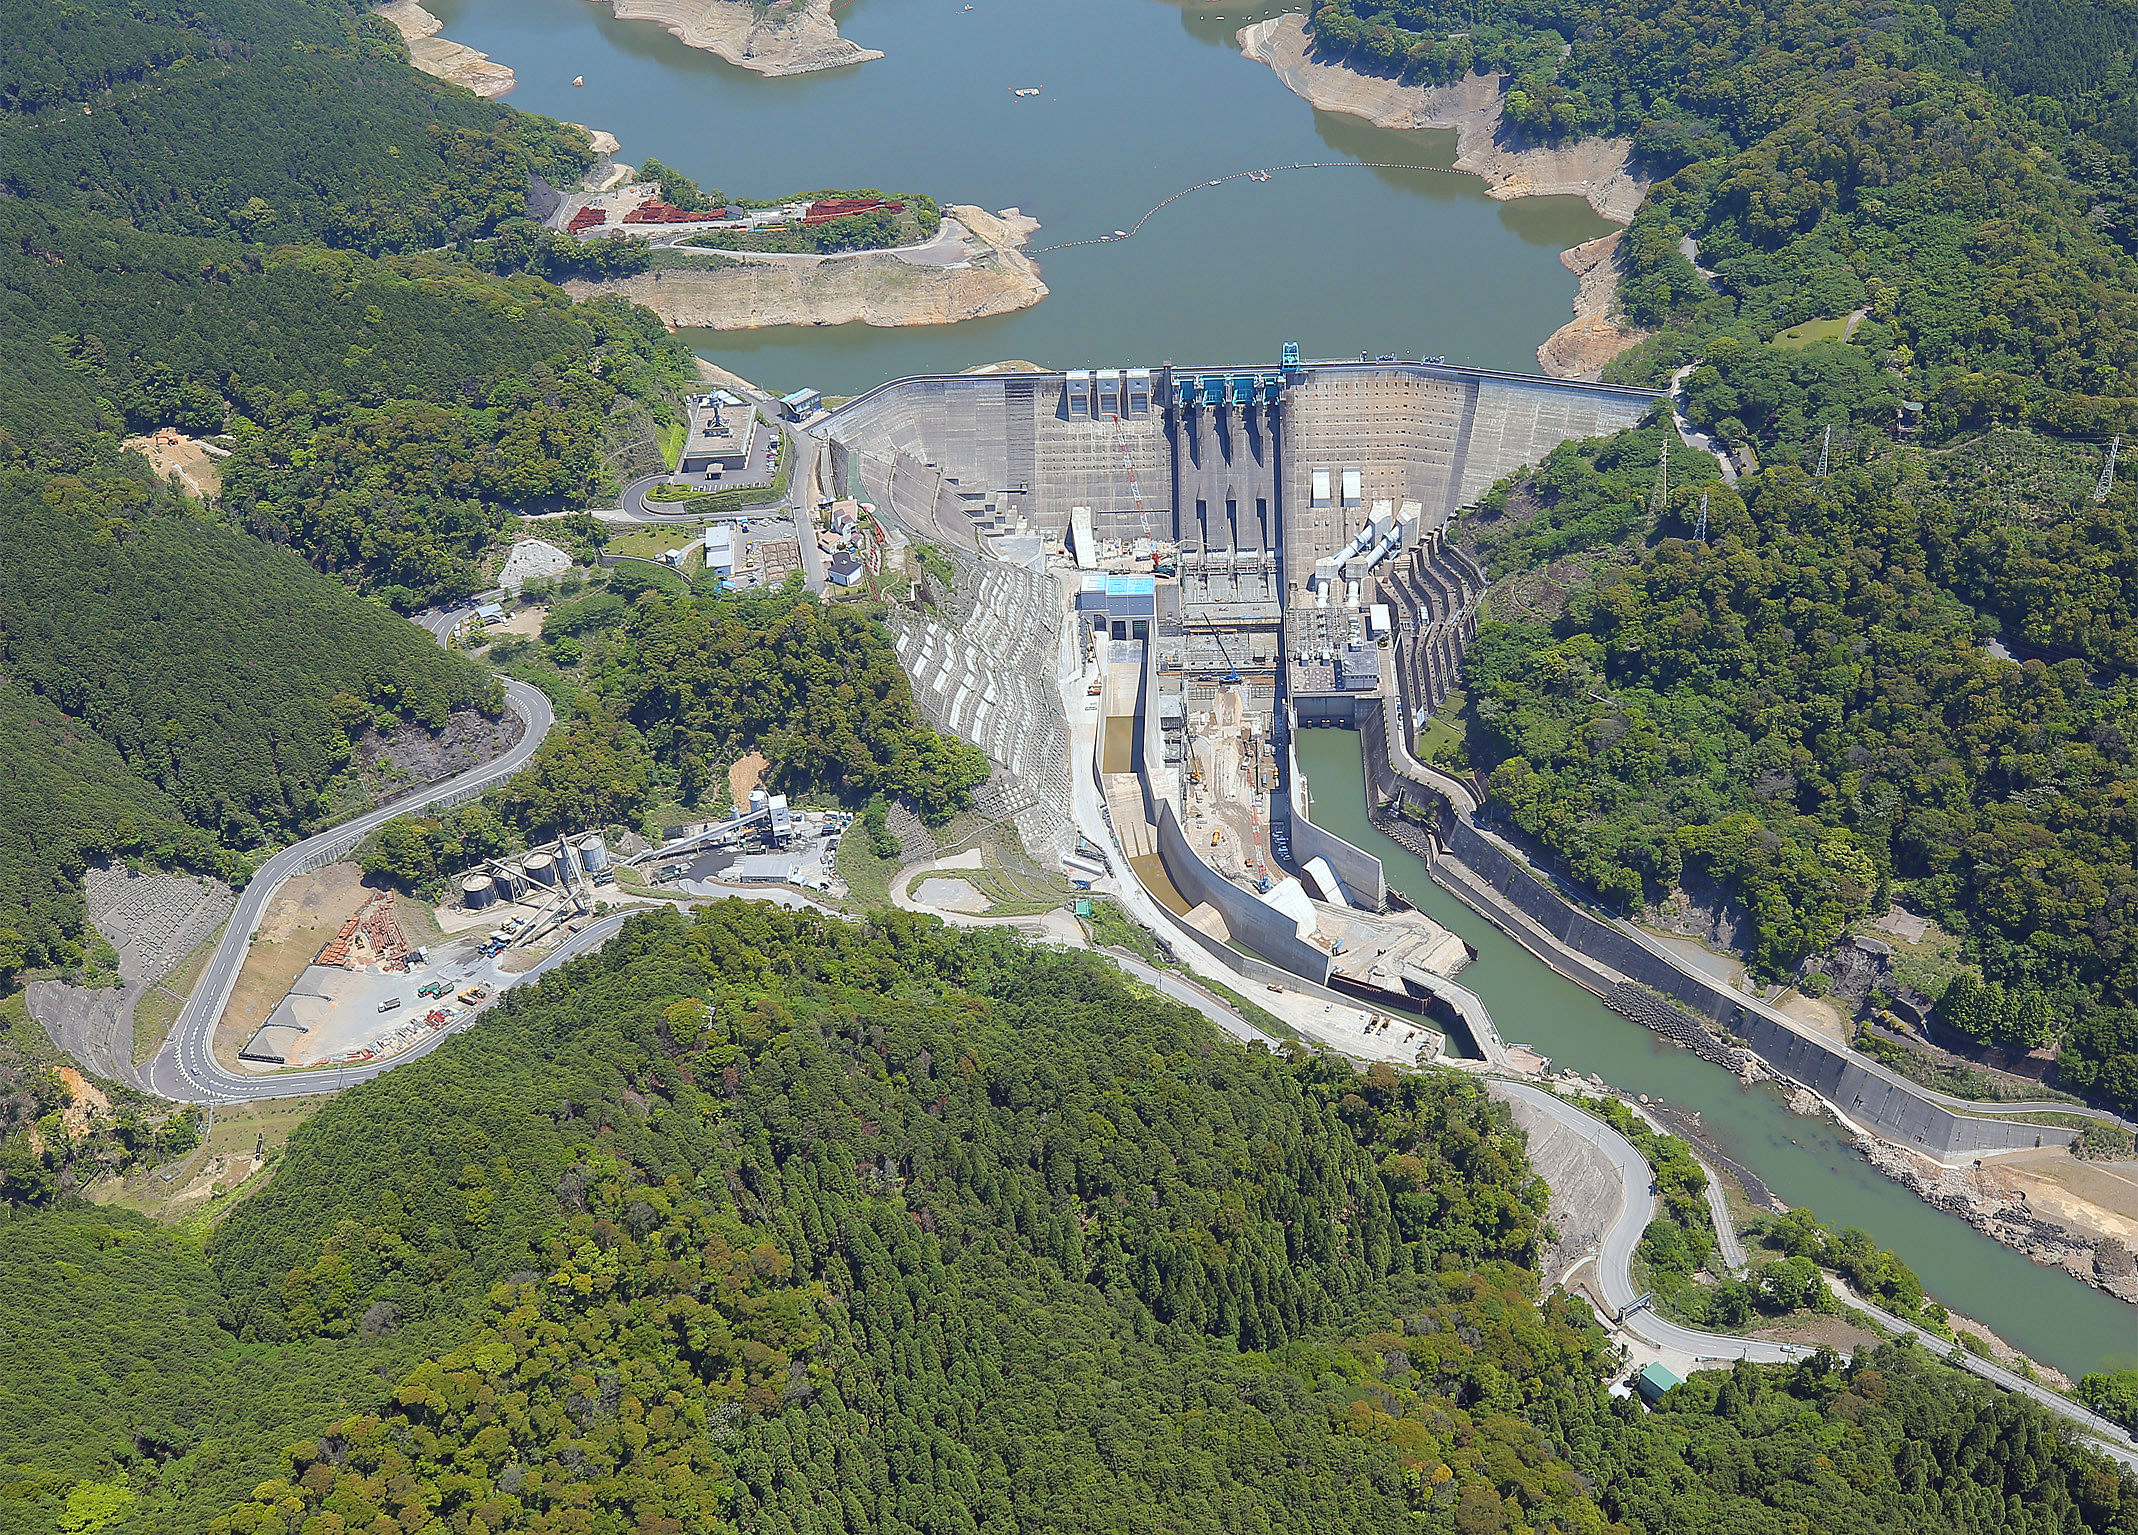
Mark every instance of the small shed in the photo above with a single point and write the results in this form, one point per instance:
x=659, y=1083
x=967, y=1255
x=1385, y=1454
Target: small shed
x=1653, y=1381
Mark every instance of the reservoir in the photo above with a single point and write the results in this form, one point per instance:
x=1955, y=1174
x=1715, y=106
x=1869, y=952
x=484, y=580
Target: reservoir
x=2042, y=1311
x=1139, y=99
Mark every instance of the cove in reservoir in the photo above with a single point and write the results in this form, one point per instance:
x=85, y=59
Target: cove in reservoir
x=1138, y=100
x=2041, y=1311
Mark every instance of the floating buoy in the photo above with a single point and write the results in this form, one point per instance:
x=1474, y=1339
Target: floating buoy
x=578, y=79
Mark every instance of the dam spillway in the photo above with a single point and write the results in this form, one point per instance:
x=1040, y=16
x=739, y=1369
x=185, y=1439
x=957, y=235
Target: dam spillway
x=1244, y=550
x=1159, y=453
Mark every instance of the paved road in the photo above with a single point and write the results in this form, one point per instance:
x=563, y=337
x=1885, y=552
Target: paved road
x=1615, y=1276
x=1615, y=1265
x=185, y=1069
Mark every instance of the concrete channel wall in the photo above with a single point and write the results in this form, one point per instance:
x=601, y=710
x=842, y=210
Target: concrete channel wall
x=1251, y=920
x=1359, y=870
x=1861, y=1089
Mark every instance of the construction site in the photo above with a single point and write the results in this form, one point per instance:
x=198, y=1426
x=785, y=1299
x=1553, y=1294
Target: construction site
x=1220, y=557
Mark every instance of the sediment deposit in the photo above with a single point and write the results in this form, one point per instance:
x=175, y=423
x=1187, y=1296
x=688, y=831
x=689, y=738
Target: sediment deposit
x=991, y=276
x=795, y=37
x=1600, y=170
x=442, y=57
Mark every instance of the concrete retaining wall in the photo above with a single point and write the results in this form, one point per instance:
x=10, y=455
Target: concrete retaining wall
x=1358, y=869
x=1252, y=921
x=1865, y=1092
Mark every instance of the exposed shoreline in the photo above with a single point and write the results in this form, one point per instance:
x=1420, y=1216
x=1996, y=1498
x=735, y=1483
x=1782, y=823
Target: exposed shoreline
x=993, y=276
x=797, y=37
x=441, y=57
x=1600, y=171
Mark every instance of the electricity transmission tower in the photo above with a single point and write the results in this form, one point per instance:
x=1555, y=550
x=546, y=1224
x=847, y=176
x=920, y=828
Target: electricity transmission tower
x=1825, y=447
x=1700, y=528
x=2107, y=481
x=1659, y=498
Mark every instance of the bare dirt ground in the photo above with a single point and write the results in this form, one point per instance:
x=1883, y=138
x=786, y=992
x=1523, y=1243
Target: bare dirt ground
x=2099, y=1199
x=242, y=1143
x=304, y=916
x=173, y=452
x=1808, y=1327
x=744, y=776
x=1814, y=1014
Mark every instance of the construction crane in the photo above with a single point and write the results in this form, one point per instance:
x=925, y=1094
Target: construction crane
x=2107, y=481
x=1232, y=672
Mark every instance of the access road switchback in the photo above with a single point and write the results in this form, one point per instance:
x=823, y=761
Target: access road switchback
x=185, y=1070
x=1614, y=1270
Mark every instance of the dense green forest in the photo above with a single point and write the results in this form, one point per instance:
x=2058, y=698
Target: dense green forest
x=270, y=121
x=251, y=220
x=762, y=1221
x=1803, y=707
x=174, y=690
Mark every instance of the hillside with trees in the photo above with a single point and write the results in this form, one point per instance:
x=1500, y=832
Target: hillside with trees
x=759, y=1220
x=252, y=222
x=176, y=691
x=1803, y=708
x=664, y=691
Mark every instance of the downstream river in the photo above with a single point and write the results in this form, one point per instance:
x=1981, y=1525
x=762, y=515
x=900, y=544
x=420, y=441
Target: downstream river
x=1139, y=99
x=2043, y=1311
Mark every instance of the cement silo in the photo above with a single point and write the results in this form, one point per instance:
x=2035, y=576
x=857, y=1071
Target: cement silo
x=593, y=854
x=542, y=869
x=478, y=891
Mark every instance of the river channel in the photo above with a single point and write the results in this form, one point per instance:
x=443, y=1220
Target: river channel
x=2043, y=1311
x=1139, y=99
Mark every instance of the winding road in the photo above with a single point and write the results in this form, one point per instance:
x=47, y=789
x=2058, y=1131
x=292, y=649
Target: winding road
x=185, y=1069
x=1614, y=1267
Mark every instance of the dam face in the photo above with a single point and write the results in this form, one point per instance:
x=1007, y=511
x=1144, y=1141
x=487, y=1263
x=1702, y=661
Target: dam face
x=1255, y=549
x=1154, y=453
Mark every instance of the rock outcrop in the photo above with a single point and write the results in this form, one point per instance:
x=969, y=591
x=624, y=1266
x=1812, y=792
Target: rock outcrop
x=1600, y=170
x=978, y=268
x=791, y=37
x=448, y=60
x=1979, y=1196
x=1581, y=347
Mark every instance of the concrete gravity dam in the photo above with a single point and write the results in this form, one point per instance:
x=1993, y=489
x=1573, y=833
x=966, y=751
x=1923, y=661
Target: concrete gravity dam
x=1213, y=460
x=1220, y=555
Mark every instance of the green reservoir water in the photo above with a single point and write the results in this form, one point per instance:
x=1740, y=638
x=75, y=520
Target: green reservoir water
x=1140, y=98
x=2043, y=1311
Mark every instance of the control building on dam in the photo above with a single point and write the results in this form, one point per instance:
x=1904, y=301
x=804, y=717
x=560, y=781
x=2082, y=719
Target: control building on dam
x=1241, y=551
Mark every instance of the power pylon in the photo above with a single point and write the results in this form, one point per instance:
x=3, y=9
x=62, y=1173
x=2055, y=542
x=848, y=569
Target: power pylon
x=1700, y=528
x=2107, y=481
x=1825, y=448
